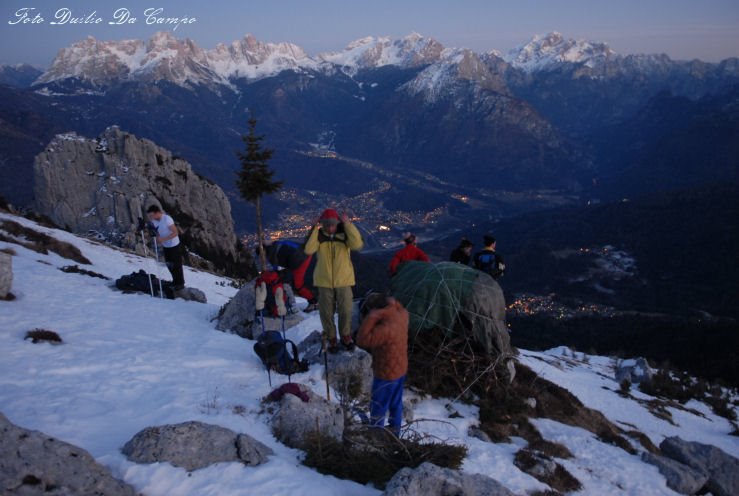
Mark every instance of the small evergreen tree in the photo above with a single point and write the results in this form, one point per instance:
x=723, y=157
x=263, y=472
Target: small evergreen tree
x=255, y=178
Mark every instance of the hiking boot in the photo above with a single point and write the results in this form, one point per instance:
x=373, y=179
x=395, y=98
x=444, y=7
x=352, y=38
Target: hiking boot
x=348, y=344
x=333, y=346
x=312, y=307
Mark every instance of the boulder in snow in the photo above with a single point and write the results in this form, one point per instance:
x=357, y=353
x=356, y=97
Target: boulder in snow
x=297, y=422
x=238, y=316
x=350, y=374
x=722, y=468
x=680, y=477
x=6, y=274
x=33, y=463
x=191, y=294
x=194, y=445
x=429, y=480
x=634, y=370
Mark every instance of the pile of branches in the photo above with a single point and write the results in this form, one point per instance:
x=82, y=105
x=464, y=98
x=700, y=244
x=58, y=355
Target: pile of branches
x=452, y=366
x=373, y=455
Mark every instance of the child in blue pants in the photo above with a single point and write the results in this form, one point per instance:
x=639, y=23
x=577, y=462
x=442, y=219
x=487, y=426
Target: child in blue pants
x=384, y=333
x=387, y=396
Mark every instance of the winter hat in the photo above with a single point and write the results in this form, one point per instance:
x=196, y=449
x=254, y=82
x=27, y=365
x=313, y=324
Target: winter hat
x=409, y=238
x=465, y=243
x=489, y=239
x=330, y=216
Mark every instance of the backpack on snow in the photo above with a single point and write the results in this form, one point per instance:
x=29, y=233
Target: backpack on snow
x=273, y=282
x=140, y=282
x=271, y=348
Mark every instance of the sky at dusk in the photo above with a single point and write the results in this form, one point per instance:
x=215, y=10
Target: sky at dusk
x=684, y=29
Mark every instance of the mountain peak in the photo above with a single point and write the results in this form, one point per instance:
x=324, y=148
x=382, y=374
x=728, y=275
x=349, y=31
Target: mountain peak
x=546, y=50
x=369, y=52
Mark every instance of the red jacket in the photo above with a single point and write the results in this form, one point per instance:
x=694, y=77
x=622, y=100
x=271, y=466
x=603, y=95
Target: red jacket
x=410, y=252
x=384, y=333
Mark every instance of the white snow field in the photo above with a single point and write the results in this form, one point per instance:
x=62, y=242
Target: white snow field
x=132, y=361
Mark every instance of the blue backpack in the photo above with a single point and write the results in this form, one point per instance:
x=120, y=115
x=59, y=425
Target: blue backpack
x=271, y=348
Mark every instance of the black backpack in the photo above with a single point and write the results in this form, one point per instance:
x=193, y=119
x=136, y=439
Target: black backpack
x=139, y=282
x=271, y=348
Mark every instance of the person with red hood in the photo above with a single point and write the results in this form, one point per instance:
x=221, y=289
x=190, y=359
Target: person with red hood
x=332, y=240
x=409, y=252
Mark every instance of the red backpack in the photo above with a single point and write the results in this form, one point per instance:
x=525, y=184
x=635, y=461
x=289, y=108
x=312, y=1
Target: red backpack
x=273, y=282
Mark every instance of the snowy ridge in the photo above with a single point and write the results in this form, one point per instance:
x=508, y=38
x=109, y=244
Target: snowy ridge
x=183, y=62
x=543, y=52
x=130, y=361
x=370, y=52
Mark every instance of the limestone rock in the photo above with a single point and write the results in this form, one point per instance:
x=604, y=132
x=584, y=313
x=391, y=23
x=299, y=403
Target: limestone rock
x=104, y=186
x=430, y=480
x=296, y=422
x=680, y=477
x=349, y=374
x=33, y=463
x=634, y=370
x=477, y=433
x=194, y=445
x=722, y=468
x=237, y=316
x=6, y=274
x=191, y=294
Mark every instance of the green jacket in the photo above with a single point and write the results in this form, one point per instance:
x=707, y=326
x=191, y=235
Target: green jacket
x=334, y=267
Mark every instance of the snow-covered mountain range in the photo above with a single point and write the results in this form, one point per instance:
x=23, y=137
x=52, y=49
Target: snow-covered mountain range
x=164, y=57
x=182, y=61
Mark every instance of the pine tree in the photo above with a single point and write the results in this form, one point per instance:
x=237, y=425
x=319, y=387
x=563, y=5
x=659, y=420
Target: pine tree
x=255, y=178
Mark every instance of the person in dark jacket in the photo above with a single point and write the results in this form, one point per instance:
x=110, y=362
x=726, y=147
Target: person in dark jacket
x=409, y=252
x=488, y=260
x=463, y=253
x=384, y=333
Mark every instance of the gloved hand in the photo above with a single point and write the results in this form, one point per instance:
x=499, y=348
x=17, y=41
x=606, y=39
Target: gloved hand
x=260, y=293
x=280, y=302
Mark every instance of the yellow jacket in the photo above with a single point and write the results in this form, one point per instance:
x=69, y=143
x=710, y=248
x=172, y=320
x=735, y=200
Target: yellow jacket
x=334, y=267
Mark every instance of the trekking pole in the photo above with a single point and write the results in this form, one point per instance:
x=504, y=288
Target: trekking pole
x=146, y=254
x=324, y=350
x=159, y=269
x=283, y=328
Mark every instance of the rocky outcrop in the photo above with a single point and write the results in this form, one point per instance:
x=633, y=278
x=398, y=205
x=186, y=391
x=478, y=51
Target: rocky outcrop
x=194, y=445
x=722, y=469
x=634, y=371
x=430, y=480
x=6, y=274
x=297, y=422
x=238, y=316
x=680, y=477
x=104, y=186
x=350, y=374
x=33, y=463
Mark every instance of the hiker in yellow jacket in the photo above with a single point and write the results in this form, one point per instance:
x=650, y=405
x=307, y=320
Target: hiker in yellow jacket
x=333, y=239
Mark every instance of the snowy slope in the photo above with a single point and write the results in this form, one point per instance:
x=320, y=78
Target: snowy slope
x=131, y=361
